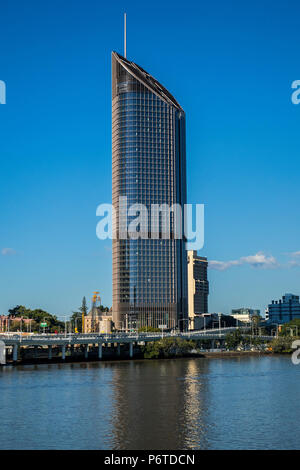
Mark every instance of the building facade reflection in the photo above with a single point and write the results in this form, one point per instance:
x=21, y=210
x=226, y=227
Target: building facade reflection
x=160, y=404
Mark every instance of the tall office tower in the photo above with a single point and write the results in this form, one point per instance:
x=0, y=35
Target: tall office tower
x=148, y=167
x=198, y=286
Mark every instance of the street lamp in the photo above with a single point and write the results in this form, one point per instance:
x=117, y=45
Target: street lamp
x=291, y=329
x=295, y=326
x=65, y=317
x=75, y=321
x=220, y=323
x=173, y=327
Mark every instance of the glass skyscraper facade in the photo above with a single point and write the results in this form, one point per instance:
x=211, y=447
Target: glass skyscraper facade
x=148, y=167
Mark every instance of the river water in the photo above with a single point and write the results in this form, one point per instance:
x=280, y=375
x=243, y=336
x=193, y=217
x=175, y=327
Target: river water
x=232, y=403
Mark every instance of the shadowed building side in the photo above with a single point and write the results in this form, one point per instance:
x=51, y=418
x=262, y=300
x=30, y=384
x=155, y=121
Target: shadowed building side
x=198, y=287
x=148, y=167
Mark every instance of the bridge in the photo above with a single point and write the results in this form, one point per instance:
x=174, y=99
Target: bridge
x=70, y=341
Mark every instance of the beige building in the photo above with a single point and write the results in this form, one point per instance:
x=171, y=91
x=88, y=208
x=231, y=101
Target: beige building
x=98, y=321
x=198, y=287
x=244, y=315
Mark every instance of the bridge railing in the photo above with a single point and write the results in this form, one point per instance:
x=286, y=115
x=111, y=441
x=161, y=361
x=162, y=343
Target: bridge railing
x=118, y=337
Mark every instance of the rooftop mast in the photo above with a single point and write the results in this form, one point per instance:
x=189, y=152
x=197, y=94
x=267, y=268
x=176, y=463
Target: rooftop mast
x=125, y=35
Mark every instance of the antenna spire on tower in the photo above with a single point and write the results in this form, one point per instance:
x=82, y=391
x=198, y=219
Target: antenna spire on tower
x=125, y=35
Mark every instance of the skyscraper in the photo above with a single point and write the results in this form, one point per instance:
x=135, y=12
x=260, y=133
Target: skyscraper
x=148, y=167
x=198, y=286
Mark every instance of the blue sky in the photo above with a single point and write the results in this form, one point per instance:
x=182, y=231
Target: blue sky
x=230, y=64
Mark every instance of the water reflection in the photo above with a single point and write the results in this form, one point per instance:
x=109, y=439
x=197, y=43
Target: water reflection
x=196, y=398
x=172, y=404
x=160, y=405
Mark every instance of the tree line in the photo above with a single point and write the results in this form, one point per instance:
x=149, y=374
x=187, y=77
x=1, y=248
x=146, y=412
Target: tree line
x=39, y=317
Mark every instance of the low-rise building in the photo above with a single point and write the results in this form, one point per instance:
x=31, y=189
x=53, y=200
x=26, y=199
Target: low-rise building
x=244, y=315
x=213, y=320
x=4, y=322
x=284, y=310
x=98, y=321
x=7, y=322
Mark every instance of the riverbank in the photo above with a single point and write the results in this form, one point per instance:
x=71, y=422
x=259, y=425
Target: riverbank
x=223, y=354
x=138, y=357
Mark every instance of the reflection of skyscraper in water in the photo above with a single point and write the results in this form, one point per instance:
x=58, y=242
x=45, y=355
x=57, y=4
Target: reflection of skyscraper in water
x=195, y=404
x=160, y=405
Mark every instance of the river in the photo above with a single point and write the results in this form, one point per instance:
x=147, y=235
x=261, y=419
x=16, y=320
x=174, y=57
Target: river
x=232, y=403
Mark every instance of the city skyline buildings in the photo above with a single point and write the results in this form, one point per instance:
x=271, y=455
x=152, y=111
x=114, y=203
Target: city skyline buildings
x=242, y=140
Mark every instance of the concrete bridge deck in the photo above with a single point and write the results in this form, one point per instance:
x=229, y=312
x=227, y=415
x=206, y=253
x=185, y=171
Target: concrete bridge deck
x=64, y=341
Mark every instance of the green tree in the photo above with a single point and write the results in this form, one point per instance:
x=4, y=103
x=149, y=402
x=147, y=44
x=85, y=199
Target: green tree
x=281, y=345
x=168, y=347
x=256, y=319
x=104, y=309
x=203, y=343
x=38, y=316
x=76, y=318
x=149, y=329
x=19, y=311
x=234, y=339
x=83, y=307
x=291, y=328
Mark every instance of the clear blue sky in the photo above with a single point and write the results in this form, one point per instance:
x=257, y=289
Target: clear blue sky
x=230, y=64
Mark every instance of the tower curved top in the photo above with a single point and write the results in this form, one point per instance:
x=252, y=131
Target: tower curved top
x=147, y=80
